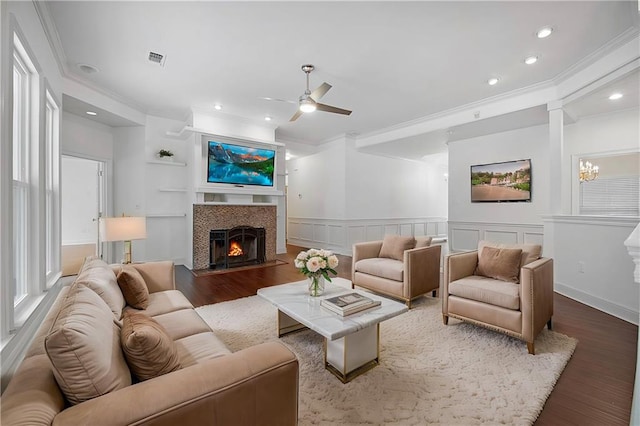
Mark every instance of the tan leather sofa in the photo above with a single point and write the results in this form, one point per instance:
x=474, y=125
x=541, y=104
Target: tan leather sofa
x=418, y=272
x=520, y=310
x=254, y=386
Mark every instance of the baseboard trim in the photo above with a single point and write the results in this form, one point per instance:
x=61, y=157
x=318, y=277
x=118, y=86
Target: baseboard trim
x=598, y=303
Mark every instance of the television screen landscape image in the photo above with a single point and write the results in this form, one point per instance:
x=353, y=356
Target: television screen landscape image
x=498, y=182
x=239, y=165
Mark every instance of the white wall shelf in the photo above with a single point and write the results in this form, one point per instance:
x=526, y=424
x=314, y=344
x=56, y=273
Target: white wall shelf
x=165, y=215
x=168, y=163
x=172, y=190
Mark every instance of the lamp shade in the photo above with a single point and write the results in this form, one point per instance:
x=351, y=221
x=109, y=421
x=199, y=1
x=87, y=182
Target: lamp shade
x=124, y=228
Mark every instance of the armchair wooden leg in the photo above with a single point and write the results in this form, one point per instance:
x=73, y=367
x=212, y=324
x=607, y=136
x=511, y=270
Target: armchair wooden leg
x=531, y=348
x=433, y=293
x=353, y=286
x=549, y=324
x=408, y=302
x=445, y=319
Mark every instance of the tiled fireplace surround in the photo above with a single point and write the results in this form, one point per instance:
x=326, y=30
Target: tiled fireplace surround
x=210, y=217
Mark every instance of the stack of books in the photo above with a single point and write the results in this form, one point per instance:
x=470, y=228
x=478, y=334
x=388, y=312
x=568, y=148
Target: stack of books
x=349, y=303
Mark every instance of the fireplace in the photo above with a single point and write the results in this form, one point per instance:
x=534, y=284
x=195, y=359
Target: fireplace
x=239, y=246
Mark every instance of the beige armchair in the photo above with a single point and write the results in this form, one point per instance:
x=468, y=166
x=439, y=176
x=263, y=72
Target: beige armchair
x=519, y=309
x=399, y=267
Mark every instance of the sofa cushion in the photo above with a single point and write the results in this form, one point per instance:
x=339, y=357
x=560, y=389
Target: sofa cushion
x=500, y=263
x=393, y=246
x=133, y=287
x=147, y=347
x=530, y=252
x=99, y=277
x=200, y=347
x=83, y=346
x=487, y=290
x=182, y=323
x=382, y=267
x=163, y=302
x=423, y=242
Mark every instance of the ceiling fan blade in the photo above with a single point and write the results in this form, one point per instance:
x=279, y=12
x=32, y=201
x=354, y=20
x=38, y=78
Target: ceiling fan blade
x=296, y=115
x=329, y=108
x=320, y=91
x=278, y=100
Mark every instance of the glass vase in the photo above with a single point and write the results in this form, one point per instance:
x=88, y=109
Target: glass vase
x=316, y=285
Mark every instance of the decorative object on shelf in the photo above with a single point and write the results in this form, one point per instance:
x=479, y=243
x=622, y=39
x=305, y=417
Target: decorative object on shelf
x=588, y=171
x=165, y=154
x=316, y=265
x=125, y=228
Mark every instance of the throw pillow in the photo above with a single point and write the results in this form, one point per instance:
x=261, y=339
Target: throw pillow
x=423, y=242
x=99, y=277
x=133, y=287
x=500, y=263
x=393, y=246
x=148, y=348
x=530, y=252
x=83, y=346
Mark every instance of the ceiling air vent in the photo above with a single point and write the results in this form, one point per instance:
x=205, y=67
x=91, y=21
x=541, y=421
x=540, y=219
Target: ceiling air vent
x=157, y=58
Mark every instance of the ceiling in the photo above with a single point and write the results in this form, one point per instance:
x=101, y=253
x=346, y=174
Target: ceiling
x=389, y=62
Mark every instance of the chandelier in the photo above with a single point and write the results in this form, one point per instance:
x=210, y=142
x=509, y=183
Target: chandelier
x=588, y=171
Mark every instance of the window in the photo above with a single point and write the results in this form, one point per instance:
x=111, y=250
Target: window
x=52, y=181
x=21, y=141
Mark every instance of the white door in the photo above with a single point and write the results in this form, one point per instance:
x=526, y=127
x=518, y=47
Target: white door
x=82, y=195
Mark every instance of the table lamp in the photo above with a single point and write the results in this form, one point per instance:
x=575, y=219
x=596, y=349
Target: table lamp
x=125, y=228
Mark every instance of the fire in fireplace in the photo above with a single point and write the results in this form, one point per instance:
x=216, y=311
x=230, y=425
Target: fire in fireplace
x=239, y=246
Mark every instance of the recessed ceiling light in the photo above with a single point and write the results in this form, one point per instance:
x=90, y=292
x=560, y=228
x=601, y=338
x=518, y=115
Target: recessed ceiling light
x=493, y=81
x=91, y=113
x=531, y=60
x=615, y=96
x=544, y=32
x=217, y=107
x=89, y=69
x=267, y=118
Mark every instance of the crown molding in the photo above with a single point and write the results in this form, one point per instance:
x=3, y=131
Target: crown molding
x=610, y=47
x=53, y=37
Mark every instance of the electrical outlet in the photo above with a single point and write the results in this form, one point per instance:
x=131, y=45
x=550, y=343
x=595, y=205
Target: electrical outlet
x=581, y=267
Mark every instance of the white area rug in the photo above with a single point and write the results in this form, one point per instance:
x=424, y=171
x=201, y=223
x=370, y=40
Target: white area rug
x=429, y=373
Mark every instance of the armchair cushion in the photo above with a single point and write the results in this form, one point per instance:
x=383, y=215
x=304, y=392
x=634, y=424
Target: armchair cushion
x=381, y=267
x=500, y=263
x=393, y=246
x=530, y=252
x=423, y=242
x=487, y=290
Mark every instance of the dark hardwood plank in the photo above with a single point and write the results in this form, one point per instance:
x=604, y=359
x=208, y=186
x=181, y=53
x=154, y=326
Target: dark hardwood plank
x=595, y=388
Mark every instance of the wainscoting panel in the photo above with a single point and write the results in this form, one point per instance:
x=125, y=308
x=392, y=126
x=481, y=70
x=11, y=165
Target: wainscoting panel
x=340, y=235
x=464, y=236
x=507, y=237
x=406, y=229
x=320, y=233
x=374, y=233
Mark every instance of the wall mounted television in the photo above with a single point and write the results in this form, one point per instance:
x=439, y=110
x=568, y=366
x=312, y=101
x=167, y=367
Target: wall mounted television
x=508, y=181
x=239, y=165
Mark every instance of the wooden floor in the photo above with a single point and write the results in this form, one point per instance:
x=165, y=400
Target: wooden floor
x=595, y=388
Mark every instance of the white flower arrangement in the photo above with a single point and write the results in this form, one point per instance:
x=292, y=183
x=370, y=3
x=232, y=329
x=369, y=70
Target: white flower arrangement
x=315, y=263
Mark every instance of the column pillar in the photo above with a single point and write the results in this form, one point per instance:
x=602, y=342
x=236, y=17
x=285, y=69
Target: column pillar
x=633, y=247
x=556, y=154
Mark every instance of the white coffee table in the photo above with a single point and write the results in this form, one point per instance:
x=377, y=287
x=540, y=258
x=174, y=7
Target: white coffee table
x=352, y=343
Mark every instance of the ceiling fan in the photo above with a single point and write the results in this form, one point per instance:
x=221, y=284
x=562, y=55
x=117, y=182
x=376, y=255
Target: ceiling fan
x=308, y=102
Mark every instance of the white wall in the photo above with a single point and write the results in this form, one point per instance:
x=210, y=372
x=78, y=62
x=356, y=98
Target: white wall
x=85, y=138
x=317, y=184
x=79, y=201
x=340, y=196
x=518, y=144
x=596, y=135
